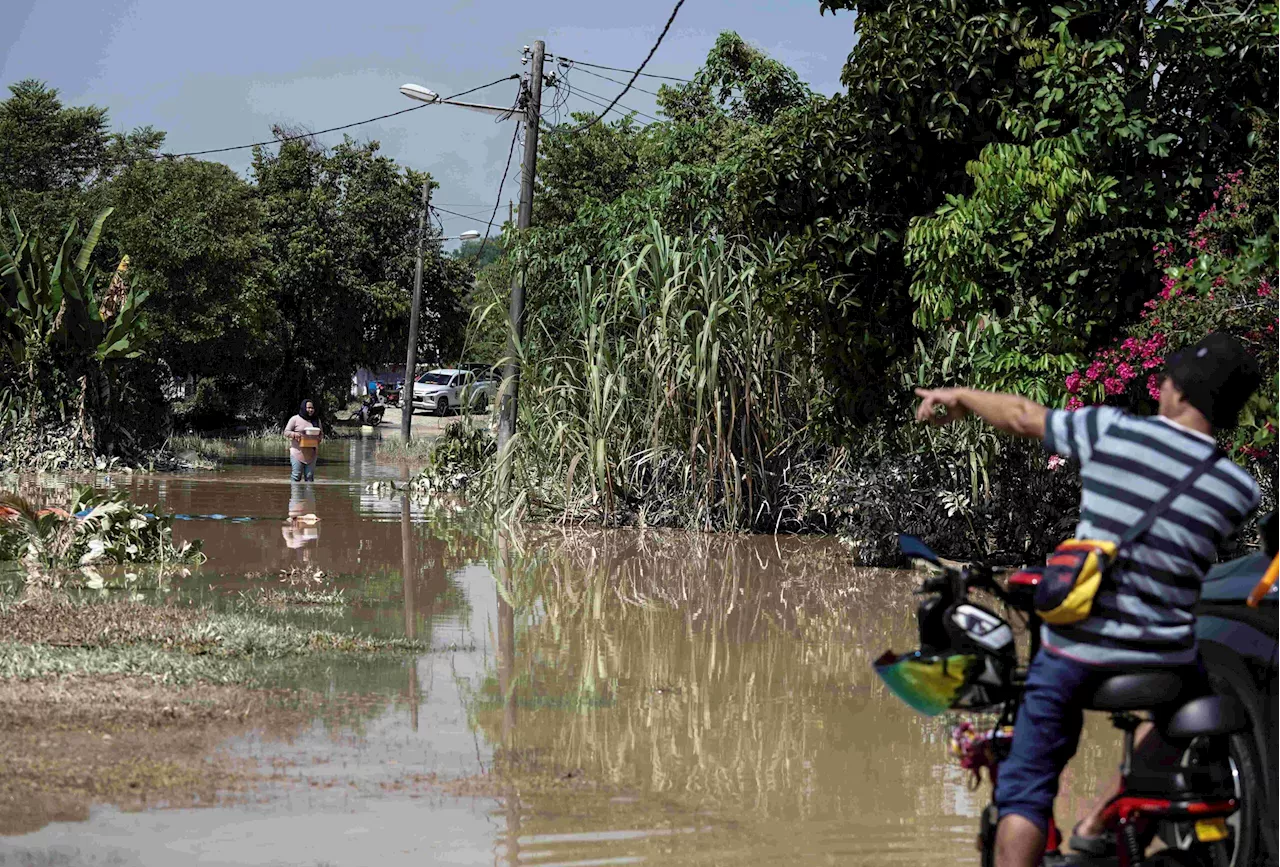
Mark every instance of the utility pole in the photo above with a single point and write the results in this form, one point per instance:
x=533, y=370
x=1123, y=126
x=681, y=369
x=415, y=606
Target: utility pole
x=515, y=333
x=411, y=358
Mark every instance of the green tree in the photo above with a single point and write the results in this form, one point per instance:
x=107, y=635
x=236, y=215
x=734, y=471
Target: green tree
x=341, y=226
x=193, y=233
x=50, y=154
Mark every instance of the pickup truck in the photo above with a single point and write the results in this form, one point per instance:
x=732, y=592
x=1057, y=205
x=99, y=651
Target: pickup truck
x=447, y=388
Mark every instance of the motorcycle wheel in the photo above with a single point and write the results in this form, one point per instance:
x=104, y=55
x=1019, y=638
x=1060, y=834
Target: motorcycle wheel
x=1242, y=848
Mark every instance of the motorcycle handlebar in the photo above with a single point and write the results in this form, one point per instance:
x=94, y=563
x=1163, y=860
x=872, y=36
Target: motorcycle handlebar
x=975, y=576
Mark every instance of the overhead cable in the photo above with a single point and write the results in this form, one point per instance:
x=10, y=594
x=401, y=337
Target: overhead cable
x=618, y=69
x=497, y=202
x=604, y=100
x=615, y=81
x=639, y=71
x=456, y=214
x=287, y=138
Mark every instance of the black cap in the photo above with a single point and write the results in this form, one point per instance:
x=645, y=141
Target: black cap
x=1217, y=376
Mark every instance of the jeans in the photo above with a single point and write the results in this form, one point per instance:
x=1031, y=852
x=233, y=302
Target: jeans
x=1047, y=731
x=301, y=470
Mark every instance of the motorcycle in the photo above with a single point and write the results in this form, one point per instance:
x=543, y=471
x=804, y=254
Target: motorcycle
x=1214, y=806
x=370, y=412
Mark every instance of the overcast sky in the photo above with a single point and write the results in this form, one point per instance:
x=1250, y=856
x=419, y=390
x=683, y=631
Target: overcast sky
x=221, y=73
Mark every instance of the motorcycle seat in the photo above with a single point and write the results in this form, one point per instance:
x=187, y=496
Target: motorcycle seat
x=1143, y=690
x=1209, y=715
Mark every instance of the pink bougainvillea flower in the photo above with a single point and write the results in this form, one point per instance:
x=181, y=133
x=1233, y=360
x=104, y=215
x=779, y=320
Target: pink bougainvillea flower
x=1152, y=362
x=1074, y=402
x=1054, y=462
x=1153, y=386
x=1095, y=371
x=1072, y=382
x=1113, y=385
x=1125, y=372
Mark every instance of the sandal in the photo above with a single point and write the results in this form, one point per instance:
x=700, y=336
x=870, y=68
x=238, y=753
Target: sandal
x=1101, y=845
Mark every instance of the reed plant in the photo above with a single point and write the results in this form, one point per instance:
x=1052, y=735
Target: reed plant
x=672, y=399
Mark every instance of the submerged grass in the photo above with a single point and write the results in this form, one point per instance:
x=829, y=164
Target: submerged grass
x=42, y=637
x=413, y=454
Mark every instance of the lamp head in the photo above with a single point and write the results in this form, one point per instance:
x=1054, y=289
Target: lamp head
x=420, y=93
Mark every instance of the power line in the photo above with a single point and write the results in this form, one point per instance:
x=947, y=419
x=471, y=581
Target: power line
x=497, y=202
x=615, y=81
x=619, y=69
x=456, y=214
x=603, y=101
x=289, y=138
x=639, y=71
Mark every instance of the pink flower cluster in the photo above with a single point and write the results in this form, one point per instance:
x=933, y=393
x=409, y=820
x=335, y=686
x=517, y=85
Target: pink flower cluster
x=1116, y=368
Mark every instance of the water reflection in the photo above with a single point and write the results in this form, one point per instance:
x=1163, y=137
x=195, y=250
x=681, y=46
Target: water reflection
x=709, y=682
x=303, y=524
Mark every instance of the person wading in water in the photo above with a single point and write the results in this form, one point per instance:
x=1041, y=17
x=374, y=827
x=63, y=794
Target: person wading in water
x=1143, y=617
x=302, y=458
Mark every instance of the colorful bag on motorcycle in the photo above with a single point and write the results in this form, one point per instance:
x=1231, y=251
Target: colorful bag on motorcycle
x=1075, y=569
x=1072, y=575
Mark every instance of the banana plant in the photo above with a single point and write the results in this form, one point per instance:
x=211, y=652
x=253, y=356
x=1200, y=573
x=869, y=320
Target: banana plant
x=50, y=301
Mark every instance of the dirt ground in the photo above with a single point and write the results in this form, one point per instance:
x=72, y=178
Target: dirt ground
x=66, y=743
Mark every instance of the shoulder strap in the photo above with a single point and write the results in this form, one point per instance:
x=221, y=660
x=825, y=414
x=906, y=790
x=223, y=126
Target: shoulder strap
x=1144, y=523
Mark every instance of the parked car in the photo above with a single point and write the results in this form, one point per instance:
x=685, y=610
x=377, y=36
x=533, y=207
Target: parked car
x=449, y=388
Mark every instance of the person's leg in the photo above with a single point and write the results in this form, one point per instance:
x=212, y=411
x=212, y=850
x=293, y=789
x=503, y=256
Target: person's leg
x=1045, y=736
x=295, y=469
x=310, y=471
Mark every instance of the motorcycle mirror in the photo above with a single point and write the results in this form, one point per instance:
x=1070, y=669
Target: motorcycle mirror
x=913, y=548
x=1270, y=529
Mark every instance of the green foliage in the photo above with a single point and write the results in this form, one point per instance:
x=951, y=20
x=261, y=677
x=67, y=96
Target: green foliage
x=460, y=458
x=65, y=340
x=341, y=229
x=95, y=528
x=1040, y=153
x=50, y=154
x=192, y=231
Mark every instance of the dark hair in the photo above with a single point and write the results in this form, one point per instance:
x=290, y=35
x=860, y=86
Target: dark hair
x=302, y=410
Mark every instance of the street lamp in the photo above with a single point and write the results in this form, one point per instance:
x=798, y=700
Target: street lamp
x=429, y=96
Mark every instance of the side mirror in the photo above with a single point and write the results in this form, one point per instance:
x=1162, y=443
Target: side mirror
x=914, y=549
x=1269, y=528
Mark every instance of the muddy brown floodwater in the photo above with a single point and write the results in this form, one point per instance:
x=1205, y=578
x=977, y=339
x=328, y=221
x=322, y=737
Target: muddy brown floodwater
x=626, y=697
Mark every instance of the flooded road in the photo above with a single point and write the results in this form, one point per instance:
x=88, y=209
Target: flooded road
x=617, y=697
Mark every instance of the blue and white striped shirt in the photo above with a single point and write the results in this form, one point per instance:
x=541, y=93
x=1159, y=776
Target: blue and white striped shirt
x=1142, y=613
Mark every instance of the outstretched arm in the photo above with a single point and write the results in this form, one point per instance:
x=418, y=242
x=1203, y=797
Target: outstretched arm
x=1006, y=412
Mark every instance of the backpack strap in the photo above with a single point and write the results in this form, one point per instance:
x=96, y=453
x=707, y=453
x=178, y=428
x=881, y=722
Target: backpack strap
x=1184, y=484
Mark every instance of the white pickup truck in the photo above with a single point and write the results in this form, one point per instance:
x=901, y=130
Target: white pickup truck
x=446, y=389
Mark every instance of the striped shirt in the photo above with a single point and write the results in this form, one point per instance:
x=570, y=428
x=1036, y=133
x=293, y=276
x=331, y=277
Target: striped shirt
x=1142, y=613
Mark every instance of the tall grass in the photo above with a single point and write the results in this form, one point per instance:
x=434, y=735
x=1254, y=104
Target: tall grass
x=671, y=400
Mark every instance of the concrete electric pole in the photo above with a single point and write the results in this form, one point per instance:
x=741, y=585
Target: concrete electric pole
x=411, y=357
x=515, y=333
